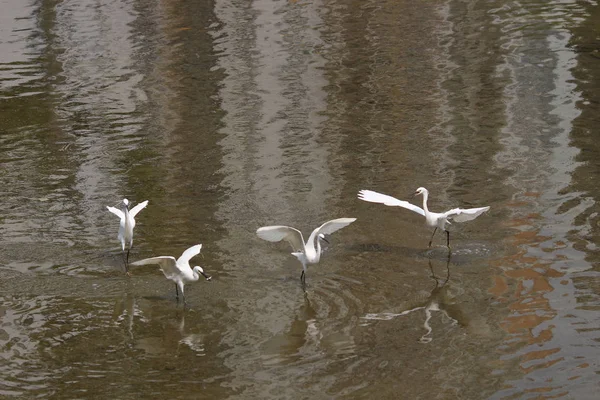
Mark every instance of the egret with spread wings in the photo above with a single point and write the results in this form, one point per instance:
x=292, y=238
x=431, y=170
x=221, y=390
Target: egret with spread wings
x=127, y=224
x=179, y=271
x=309, y=252
x=432, y=219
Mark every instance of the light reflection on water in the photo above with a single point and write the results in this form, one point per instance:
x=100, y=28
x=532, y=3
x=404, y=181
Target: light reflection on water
x=543, y=313
x=229, y=116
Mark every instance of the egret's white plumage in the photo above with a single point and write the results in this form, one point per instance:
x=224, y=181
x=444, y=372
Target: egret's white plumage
x=179, y=271
x=126, y=224
x=432, y=219
x=306, y=253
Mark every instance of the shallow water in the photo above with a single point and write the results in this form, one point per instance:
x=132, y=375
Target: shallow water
x=228, y=116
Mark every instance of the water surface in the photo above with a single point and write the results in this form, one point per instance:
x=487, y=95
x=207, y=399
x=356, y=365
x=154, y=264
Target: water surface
x=231, y=115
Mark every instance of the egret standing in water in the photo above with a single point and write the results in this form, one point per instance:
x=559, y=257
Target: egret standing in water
x=432, y=219
x=126, y=225
x=309, y=252
x=179, y=271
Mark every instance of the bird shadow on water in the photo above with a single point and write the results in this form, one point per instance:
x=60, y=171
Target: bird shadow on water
x=440, y=300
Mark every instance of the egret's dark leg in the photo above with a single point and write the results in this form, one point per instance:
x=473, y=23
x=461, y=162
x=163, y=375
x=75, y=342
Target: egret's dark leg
x=431, y=269
x=177, y=293
x=448, y=240
x=448, y=268
x=431, y=240
x=127, y=263
x=303, y=277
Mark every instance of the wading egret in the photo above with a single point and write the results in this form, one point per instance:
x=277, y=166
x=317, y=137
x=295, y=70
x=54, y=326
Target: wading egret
x=179, y=271
x=127, y=224
x=309, y=252
x=432, y=219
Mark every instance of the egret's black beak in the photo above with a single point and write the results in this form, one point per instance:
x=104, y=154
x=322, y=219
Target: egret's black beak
x=415, y=194
x=208, y=278
x=325, y=240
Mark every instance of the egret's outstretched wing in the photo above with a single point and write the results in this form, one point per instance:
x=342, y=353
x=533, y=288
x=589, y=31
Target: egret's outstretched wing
x=374, y=197
x=189, y=253
x=331, y=226
x=167, y=264
x=161, y=260
x=463, y=215
x=133, y=212
x=279, y=232
x=116, y=211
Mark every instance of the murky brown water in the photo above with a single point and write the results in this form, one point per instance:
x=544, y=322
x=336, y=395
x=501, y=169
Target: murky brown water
x=231, y=115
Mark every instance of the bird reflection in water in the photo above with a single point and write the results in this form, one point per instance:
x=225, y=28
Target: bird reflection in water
x=304, y=327
x=159, y=331
x=125, y=311
x=439, y=300
x=291, y=345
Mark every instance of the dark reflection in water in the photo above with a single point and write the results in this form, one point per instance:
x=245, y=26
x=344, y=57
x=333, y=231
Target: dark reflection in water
x=228, y=116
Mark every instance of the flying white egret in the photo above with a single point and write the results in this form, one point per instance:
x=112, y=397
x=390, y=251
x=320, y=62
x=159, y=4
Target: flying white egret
x=127, y=224
x=179, y=271
x=432, y=219
x=309, y=252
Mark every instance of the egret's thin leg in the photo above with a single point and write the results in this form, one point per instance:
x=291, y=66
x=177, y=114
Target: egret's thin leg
x=302, y=277
x=127, y=264
x=431, y=269
x=431, y=240
x=176, y=292
x=181, y=289
x=448, y=240
x=448, y=269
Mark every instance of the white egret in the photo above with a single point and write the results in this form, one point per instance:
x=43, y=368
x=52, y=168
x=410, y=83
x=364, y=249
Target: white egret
x=179, y=271
x=127, y=224
x=309, y=252
x=432, y=219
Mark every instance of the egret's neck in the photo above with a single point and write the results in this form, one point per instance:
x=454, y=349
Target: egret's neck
x=318, y=245
x=425, y=196
x=196, y=273
x=312, y=248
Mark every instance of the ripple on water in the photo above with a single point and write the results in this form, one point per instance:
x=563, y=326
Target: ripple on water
x=51, y=345
x=303, y=344
x=21, y=50
x=21, y=322
x=463, y=253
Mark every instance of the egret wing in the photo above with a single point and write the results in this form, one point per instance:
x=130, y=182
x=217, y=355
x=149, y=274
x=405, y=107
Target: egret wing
x=374, y=197
x=277, y=233
x=133, y=212
x=189, y=253
x=116, y=211
x=463, y=215
x=167, y=264
x=335, y=224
